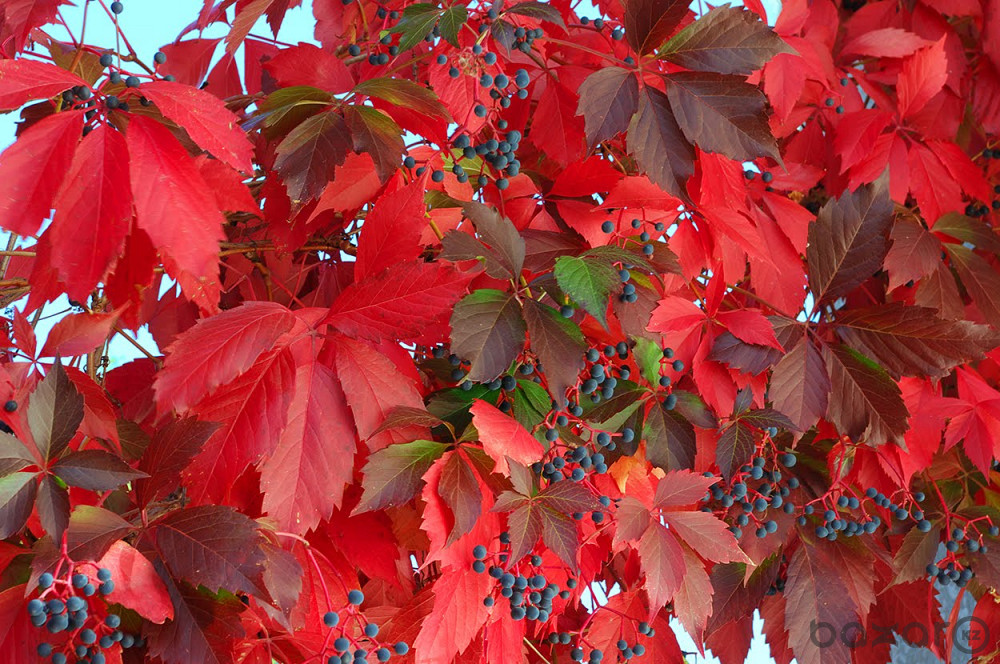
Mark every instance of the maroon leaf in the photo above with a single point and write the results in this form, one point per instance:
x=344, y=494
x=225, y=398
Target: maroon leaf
x=525, y=526
x=90, y=534
x=662, y=561
x=393, y=474
x=913, y=341
x=631, y=520
x=723, y=114
x=658, y=145
x=500, y=235
x=95, y=470
x=734, y=448
x=405, y=416
x=915, y=252
x=749, y=358
x=374, y=132
x=17, y=496
x=848, y=241
x=727, y=40
x=608, y=100
x=865, y=403
x=308, y=157
x=916, y=551
x=800, y=386
x=488, y=331
x=559, y=533
x=13, y=455
x=649, y=22
x=54, y=413
x=405, y=93
x=670, y=440
x=559, y=345
x=52, y=503
x=461, y=492
x=211, y=545
x=980, y=280
x=169, y=452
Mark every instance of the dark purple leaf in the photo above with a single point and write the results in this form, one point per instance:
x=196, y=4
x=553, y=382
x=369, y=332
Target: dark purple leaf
x=308, y=156
x=17, y=496
x=608, y=99
x=52, y=502
x=168, y=453
x=800, y=386
x=488, y=331
x=865, y=402
x=734, y=448
x=658, y=144
x=670, y=440
x=649, y=22
x=95, y=470
x=55, y=410
x=559, y=345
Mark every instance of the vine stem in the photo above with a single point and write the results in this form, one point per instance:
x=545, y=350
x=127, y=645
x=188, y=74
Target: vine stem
x=157, y=361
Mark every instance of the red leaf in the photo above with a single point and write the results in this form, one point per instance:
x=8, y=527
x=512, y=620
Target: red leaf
x=392, y=231
x=373, y=388
x=78, y=334
x=750, y=326
x=885, y=43
x=188, y=61
x=503, y=437
x=706, y=534
x=168, y=454
x=923, y=75
x=307, y=64
x=252, y=409
x=176, y=209
x=693, y=600
x=33, y=168
x=400, y=303
x=915, y=252
x=303, y=480
x=206, y=119
x=93, y=212
x=23, y=80
x=457, y=616
x=140, y=588
x=217, y=350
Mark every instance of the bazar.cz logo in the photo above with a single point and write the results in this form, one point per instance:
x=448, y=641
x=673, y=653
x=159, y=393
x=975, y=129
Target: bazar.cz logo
x=970, y=635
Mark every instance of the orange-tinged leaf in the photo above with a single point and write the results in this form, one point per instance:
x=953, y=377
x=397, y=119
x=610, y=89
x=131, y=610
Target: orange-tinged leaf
x=503, y=437
x=33, y=168
x=93, y=212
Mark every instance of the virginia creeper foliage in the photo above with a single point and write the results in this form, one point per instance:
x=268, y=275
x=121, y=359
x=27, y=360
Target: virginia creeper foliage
x=464, y=310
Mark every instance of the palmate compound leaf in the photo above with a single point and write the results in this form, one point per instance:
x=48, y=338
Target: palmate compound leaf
x=849, y=240
x=865, y=402
x=217, y=350
x=393, y=475
x=913, y=341
x=727, y=40
x=487, y=329
x=723, y=114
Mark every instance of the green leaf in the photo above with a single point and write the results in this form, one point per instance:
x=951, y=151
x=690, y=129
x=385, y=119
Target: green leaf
x=865, y=402
x=55, y=411
x=393, y=475
x=727, y=40
x=589, y=282
x=286, y=108
x=405, y=93
x=531, y=404
x=648, y=355
x=559, y=345
x=487, y=330
x=452, y=21
x=416, y=23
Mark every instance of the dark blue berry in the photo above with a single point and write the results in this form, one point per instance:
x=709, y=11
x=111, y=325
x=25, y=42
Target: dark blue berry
x=355, y=597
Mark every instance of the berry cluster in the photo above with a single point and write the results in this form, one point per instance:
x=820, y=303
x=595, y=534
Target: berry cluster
x=834, y=521
x=529, y=595
x=63, y=609
x=753, y=490
x=968, y=539
x=625, y=652
x=348, y=648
